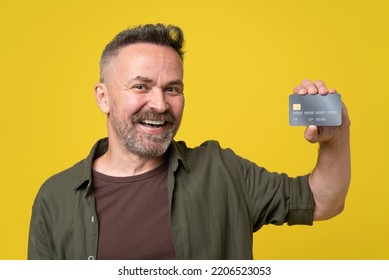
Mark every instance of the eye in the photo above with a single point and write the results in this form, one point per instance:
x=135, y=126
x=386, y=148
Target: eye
x=140, y=88
x=173, y=90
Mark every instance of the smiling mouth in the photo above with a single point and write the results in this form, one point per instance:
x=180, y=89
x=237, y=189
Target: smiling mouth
x=153, y=119
x=155, y=124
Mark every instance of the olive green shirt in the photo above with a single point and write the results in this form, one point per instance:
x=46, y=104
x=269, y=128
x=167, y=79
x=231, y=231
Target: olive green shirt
x=216, y=198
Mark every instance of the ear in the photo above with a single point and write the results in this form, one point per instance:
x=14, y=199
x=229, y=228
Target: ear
x=102, y=97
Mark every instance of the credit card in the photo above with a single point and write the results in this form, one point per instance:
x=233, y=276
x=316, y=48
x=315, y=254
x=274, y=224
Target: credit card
x=315, y=109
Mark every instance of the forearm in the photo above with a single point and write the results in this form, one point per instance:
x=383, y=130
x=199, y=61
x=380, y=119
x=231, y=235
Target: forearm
x=330, y=179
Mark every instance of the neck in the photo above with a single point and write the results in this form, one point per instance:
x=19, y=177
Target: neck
x=119, y=162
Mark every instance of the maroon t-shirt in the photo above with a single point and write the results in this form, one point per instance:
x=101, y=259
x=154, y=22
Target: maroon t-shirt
x=134, y=216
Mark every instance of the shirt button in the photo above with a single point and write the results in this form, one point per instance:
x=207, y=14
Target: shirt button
x=93, y=219
x=91, y=258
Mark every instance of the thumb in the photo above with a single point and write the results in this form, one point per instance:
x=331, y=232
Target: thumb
x=311, y=133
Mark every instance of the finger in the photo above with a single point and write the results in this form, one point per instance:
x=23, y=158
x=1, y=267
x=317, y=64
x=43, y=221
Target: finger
x=345, y=117
x=321, y=87
x=332, y=91
x=311, y=133
x=300, y=90
x=310, y=87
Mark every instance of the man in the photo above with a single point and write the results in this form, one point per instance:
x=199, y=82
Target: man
x=141, y=195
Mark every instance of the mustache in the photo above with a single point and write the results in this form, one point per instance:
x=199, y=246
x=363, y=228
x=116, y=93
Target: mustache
x=153, y=116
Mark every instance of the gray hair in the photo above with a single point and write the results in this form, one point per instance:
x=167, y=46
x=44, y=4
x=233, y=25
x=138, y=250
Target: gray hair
x=158, y=34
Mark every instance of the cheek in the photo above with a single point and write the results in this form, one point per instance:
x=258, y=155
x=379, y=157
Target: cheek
x=130, y=104
x=177, y=106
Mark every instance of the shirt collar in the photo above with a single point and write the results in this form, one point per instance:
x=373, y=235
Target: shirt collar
x=97, y=150
x=176, y=157
x=175, y=153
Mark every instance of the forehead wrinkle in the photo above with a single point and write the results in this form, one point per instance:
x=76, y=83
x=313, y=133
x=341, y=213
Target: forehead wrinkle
x=142, y=59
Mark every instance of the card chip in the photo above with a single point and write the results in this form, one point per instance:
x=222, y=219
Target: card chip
x=296, y=107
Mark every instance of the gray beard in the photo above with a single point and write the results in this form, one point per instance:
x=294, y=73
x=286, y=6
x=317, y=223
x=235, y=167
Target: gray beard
x=145, y=145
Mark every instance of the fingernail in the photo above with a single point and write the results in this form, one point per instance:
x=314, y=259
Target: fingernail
x=312, y=89
x=323, y=90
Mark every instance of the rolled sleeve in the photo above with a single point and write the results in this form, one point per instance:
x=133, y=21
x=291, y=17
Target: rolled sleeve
x=277, y=198
x=301, y=202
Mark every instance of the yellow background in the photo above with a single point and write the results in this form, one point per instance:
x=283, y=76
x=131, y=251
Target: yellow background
x=243, y=59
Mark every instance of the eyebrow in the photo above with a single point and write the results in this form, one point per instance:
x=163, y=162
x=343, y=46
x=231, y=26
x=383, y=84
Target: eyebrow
x=175, y=82
x=148, y=80
x=140, y=79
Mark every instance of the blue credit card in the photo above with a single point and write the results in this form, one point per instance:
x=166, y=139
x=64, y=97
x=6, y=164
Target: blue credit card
x=315, y=109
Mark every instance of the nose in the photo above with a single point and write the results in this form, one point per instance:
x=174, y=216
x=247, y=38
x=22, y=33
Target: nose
x=157, y=101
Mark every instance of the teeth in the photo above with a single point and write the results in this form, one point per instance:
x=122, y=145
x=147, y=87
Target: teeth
x=153, y=122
